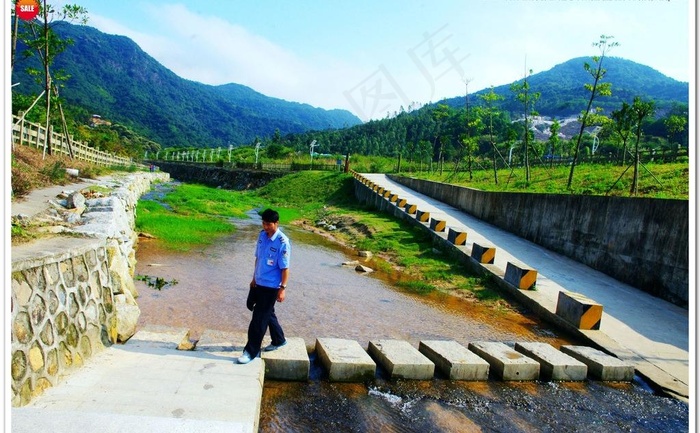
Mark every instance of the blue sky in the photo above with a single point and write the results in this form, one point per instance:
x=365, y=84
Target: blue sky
x=372, y=57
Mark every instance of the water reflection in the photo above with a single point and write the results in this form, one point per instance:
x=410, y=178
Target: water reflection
x=325, y=299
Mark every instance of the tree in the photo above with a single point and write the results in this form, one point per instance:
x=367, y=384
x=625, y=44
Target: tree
x=596, y=89
x=43, y=41
x=623, y=121
x=553, y=140
x=490, y=99
x=528, y=99
x=675, y=125
x=641, y=110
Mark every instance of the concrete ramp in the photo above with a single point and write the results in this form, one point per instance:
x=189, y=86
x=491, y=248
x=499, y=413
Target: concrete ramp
x=147, y=385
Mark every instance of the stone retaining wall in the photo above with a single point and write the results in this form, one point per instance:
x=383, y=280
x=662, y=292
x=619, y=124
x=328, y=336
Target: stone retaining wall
x=214, y=176
x=73, y=295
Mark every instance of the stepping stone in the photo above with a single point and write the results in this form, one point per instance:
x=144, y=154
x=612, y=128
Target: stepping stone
x=455, y=360
x=601, y=365
x=554, y=365
x=401, y=360
x=289, y=362
x=505, y=362
x=219, y=341
x=345, y=360
x=162, y=336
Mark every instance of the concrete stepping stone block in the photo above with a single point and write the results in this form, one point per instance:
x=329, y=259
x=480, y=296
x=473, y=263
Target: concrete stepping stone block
x=213, y=340
x=289, y=362
x=554, y=365
x=401, y=360
x=345, y=360
x=601, y=366
x=162, y=336
x=505, y=362
x=455, y=360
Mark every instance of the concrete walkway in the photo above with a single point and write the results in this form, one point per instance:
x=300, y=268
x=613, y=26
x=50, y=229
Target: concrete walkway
x=649, y=332
x=147, y=385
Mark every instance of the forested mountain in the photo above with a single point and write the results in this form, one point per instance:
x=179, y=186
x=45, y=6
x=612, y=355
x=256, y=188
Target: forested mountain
x=440, y=130
x=112, y=77
x=563, y=94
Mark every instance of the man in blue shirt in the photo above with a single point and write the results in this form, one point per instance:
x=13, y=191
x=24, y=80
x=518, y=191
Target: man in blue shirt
x=267, y=287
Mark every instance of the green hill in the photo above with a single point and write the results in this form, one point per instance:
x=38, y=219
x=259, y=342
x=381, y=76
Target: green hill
x=111, y=76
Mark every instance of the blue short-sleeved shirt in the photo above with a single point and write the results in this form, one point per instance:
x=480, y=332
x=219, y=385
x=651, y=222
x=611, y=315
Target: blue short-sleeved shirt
x=272, y=254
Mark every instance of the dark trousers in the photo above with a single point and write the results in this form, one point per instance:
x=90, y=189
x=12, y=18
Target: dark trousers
x=264, y=299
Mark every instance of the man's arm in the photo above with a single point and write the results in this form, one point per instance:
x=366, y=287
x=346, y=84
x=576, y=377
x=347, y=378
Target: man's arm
x=281, y=294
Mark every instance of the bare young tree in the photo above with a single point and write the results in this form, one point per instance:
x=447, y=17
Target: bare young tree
x=41, y=40
x=641, y=110
x=528, y=99
x=598, y=88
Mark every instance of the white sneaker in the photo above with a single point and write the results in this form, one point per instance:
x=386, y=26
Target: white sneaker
x=245, y=358
x=272, y=347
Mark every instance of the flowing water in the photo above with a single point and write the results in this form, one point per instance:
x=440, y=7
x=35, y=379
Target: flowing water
x=207, y=289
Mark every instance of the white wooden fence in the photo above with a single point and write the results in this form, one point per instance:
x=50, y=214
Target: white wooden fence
x=30, y=134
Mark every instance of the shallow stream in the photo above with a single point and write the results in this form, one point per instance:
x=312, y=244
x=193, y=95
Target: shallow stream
x=326, y=299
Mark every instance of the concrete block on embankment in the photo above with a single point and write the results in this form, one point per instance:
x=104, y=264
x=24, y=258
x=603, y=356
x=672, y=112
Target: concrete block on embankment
x=289, y=362
x=393, y=198
x=401, y=360
x=456, y=237
x=345, y=360
x=601, y=366
x=554, y=364
x=520, y=276
x=454, y=360
x=505, y=362
x=422, y=216
x=483, y=253
x=579, y=310
x=410, y=208
x=401, y=202
x=438, y=225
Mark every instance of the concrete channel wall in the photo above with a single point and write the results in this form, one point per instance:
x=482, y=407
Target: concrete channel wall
x=73, y=295
x=640, y=241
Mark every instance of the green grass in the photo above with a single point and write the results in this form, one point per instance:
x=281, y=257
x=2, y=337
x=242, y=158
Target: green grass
x=199, y=215
x=670, y=180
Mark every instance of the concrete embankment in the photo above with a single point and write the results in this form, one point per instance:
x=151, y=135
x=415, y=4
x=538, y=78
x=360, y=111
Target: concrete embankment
x=214, y=176
x=640, y=241
x=73, y=291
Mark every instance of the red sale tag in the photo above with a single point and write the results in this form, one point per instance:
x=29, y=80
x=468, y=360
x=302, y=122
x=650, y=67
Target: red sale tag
x=27, y=9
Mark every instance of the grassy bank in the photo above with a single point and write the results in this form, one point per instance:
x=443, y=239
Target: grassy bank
x=192, y=216
x=670, y=180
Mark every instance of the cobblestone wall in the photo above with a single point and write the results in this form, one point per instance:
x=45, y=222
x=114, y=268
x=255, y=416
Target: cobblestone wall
x=73, y=295
x=62, y=312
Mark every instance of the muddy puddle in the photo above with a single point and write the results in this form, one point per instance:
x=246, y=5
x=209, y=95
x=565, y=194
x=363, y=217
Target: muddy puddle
x=326, y=299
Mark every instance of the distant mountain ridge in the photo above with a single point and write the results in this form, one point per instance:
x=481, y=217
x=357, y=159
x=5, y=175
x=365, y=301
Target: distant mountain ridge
x=113, y=77
x=563, y=94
